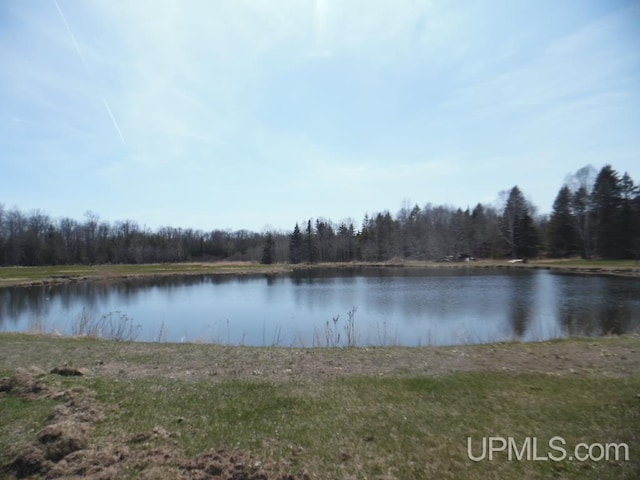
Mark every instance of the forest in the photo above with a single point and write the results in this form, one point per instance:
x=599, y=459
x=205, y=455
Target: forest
x=596, y=214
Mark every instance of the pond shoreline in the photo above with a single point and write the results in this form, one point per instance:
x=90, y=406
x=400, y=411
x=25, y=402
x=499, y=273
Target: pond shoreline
x=41, y=276
x=610, y=356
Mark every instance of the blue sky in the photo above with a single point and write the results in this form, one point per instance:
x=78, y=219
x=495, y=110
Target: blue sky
x=252, y=114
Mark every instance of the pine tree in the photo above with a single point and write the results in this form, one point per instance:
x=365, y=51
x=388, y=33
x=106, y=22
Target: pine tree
x=385, y=236
x=528, y=247
x=635, y=242
x=629, y=217
x=268, y=250
x=310, y=253
x=562, y=234
x=367, y=240
x=518, y=229
x=607, y=207
x=295, y=245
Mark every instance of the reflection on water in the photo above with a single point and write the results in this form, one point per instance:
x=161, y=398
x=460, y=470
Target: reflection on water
x=394, y=306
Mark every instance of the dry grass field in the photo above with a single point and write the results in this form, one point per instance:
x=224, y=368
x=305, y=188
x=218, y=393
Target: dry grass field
x=148, y=410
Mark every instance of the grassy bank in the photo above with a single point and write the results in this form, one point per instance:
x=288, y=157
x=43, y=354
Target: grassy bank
x=205, y=411
x=15, y=276
x=12, y=276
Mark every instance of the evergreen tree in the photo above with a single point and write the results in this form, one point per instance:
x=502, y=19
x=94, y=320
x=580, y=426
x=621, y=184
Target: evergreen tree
x=635, y=242
x=518, y=229
x=295, y=245
x=562, y=233
x=385, y=236
x=367, y=240
x=414, y=233
x=310, y=249
x=528, y=247
x=629, y=217
x=345, y=243
x=607, y=207
x=268, y=250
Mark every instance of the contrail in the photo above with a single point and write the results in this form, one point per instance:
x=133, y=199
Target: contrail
x=113, y=119
x=73, y=39
x=86, y=67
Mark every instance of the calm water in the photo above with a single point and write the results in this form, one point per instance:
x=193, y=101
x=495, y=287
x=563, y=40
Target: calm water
x=394, y=306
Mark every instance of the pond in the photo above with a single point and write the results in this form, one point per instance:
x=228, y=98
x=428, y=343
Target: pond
x=330, y=307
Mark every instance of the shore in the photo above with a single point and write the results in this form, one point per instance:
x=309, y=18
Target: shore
x=609, y=356
x=35, y=276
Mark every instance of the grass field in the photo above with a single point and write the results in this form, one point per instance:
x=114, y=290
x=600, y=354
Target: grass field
x=207, y=411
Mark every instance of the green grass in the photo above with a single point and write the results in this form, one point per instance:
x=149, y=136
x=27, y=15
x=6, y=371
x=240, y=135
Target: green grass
x=398, y=419
x=409, y=428
x=20, y=420
x=363, y=427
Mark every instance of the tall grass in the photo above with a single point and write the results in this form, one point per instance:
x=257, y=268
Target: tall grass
x=350, y=327
x=331, y=335
x=111, y=326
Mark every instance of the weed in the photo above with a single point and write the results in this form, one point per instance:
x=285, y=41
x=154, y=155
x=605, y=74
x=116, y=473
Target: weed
x=350, y=327
x=111, y=326
x=277, y=336
x=382, y=333
x=331, y=336
x=162, y=335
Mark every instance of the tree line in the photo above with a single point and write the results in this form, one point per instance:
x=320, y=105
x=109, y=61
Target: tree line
x=36, y=239
x=595, y=214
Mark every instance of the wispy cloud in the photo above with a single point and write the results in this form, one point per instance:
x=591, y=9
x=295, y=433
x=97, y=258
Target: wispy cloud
x=113, y=119
x=87, y=69
x=73, y=38
x=317, y=106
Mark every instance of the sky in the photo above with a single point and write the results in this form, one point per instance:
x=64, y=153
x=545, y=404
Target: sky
x=257, y=114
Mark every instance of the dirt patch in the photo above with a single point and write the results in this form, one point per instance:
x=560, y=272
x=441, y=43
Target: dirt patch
x=231, y=465
x=22, y=384
x=60, y=439
x=166, y=462
x=71, y=460
x=64, y=447
x=67, y=371
x=68, y=430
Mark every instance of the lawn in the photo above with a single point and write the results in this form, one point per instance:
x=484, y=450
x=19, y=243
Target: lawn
x=206, y=411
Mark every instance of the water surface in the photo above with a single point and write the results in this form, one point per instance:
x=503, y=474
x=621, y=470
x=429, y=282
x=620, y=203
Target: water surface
x=390, y=306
